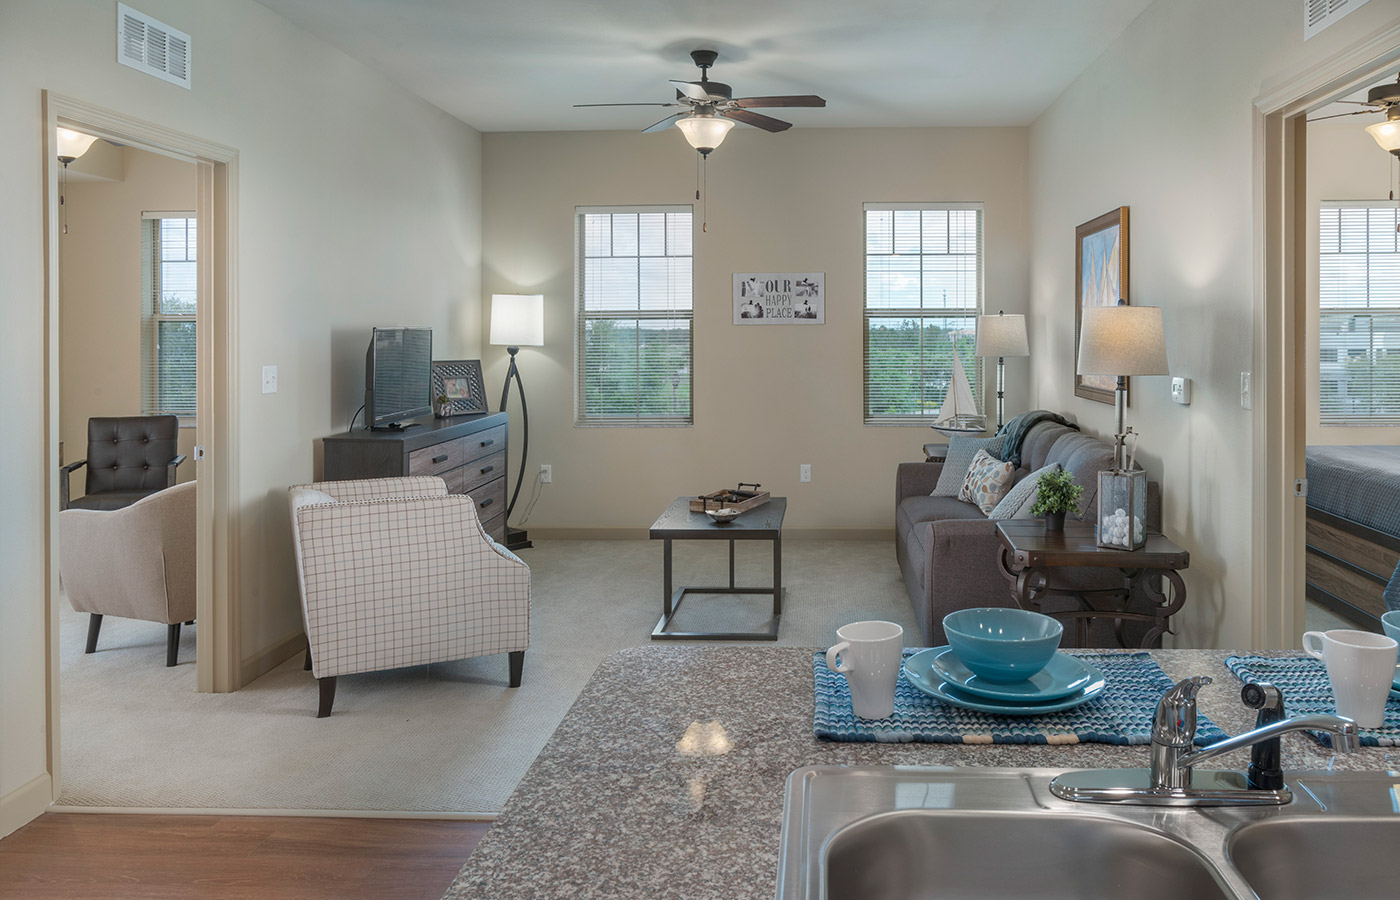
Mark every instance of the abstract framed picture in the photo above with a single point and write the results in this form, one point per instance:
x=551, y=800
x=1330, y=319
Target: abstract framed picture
x=1100, y=279
x=459, y=380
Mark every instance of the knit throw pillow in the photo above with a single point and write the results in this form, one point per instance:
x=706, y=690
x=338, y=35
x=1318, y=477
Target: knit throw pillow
x=961, y=450
x=988, y=480
x=1018, y=501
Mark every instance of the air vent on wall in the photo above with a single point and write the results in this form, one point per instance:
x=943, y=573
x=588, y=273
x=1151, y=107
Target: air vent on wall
x=1318, y=14
x=152, y=47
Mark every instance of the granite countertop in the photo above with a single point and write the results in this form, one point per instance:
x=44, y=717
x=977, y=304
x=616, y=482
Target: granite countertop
x=666, y=777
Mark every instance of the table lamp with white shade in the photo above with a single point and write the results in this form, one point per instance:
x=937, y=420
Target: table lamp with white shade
x=1002, y=336
x=1120, y=341
x=517, y=320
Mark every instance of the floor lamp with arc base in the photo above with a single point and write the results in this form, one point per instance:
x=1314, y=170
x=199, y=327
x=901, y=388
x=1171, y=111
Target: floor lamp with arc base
x=517, y=320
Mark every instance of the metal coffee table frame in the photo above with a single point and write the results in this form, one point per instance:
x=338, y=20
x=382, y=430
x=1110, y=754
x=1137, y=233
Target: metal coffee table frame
x=765, y=523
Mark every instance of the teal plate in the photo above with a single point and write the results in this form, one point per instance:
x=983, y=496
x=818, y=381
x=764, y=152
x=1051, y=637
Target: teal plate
x=918, y=669
x=1062, y=676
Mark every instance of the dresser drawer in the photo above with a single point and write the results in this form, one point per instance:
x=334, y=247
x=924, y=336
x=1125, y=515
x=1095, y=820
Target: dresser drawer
x=439, y=458
x=484, y=443
x=479, y=471
x=496, y=528
x=490, y=499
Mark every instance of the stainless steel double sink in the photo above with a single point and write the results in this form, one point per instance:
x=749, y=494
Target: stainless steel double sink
x=895, y=832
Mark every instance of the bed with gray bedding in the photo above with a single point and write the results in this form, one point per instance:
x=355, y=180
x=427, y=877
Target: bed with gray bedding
x=1353, y=531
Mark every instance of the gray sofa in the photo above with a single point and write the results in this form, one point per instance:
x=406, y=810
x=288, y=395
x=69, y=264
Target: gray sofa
x=948, y=550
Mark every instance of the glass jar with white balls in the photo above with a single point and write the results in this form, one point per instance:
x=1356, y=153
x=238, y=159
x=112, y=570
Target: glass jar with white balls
x=1122, y=509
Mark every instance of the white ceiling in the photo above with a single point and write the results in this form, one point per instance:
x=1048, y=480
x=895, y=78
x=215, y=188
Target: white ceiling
x=520, y=65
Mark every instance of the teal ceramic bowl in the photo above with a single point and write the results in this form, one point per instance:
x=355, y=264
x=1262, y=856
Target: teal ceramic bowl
x=1391, y=623
x=1002, y=646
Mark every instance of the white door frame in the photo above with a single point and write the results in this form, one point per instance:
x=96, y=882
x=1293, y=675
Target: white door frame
x=1280, y=322
x=216, y=537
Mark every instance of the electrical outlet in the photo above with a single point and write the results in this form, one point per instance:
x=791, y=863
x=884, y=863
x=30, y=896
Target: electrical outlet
x=269, y=379
x=546, y=474
x=804, y=473
x=1181, y=391
x=1246, y=391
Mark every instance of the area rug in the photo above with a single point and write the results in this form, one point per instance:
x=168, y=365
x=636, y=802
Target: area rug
x=450, y=737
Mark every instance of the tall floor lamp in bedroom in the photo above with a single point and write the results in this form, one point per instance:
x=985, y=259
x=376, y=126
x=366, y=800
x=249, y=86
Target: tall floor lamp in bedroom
x=517, y=320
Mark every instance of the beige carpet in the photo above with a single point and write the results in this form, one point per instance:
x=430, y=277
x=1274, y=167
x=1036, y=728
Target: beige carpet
x=447, y=737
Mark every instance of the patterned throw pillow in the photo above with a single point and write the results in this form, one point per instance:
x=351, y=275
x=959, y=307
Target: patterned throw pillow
x=961, y=450
x=1018, y=501
x=988, y=480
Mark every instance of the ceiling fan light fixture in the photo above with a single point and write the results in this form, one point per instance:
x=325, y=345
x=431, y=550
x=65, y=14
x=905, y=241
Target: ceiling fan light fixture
x=1387, y=134
x=73, y=144
x=704, y=133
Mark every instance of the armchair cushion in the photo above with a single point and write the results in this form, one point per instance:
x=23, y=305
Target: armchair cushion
x=131, y=453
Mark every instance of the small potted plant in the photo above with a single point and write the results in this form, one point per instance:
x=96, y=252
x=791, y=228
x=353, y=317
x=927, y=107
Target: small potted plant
x=442, y=407
x=1056, y=494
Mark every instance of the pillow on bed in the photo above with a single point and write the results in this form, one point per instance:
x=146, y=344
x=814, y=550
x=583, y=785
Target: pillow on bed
x=961, y=450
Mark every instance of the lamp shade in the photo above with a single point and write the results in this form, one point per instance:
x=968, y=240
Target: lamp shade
x=1387, y=134
x=704, y=133
x=1122, y=340
x=517, y=319
x=73, y=144
x=1002, y=335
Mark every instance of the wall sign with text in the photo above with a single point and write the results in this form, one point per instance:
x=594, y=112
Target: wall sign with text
x=779, y=298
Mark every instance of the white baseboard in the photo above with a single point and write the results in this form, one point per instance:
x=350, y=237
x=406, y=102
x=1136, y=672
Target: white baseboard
x=306, y=813
x=259, y=664
x=598, y=533
x=25, y=803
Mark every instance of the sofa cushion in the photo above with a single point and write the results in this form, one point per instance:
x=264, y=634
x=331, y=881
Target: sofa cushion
x=1035, y=448
x=1018, y=501
x=961, y=450
x=1083, y=457
x=988, y=480
x=914, y=510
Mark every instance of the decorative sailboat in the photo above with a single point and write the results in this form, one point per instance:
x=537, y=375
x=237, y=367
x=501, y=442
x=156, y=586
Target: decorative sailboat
x=958, y=414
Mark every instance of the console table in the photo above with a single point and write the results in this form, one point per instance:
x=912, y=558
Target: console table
x=467, y=452
x=1028, y=552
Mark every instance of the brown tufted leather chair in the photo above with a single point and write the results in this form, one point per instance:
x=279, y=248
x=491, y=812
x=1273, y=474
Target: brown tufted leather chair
x=129, y=457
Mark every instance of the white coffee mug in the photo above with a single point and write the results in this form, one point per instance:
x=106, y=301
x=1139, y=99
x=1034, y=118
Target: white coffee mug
x=870, y=655
x=1361, y=666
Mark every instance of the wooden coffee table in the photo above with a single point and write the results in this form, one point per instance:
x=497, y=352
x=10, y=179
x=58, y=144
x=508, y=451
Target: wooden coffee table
x=1028, y=552
x=678, y=523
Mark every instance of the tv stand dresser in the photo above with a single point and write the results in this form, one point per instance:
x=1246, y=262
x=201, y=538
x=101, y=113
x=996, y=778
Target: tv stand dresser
x=468, y=452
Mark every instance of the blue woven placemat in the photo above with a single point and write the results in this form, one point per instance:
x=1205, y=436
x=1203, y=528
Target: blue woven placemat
x=1122, y=714
x=1306, y=690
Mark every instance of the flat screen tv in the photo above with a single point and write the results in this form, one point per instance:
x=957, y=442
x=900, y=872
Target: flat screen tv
x=398, y=375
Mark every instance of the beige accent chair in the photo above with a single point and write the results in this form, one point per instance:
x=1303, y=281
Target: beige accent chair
x=136, y=562
x=397, y=572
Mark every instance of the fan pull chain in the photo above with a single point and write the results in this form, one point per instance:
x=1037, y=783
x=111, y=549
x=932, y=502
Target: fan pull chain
x=705, y=204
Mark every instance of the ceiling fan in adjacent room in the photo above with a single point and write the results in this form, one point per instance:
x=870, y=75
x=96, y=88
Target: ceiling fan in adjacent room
x=1382, y=99
x=710, y=109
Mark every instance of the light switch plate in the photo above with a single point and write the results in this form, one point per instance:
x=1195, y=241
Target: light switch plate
x=269, y=379
x=1246, y=391
x=1181, y=391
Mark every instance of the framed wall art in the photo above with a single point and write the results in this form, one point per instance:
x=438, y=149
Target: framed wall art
x=1100, y=279
x=459, y=380
x=779, y=298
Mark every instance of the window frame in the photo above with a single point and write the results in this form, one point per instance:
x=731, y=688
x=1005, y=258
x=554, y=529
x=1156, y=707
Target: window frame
x=582, y=316
x=1364, y=309
x=920, y=312
x=153, y=317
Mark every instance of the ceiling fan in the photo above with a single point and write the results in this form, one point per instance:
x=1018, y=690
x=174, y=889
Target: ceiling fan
x=710, y=108
x=1386, y=99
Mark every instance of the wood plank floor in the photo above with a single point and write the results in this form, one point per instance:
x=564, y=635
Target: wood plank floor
x=159, y=857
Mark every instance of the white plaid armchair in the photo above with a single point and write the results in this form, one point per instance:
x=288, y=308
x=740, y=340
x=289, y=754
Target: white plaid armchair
x=397, y=572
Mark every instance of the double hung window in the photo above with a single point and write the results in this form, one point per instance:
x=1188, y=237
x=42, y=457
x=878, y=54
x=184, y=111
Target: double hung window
x=923, y=294
x=1359, y=314
x=634, y=294
x=169, y=304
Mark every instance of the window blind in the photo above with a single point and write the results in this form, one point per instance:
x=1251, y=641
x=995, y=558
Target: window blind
x=923, y=294
x=168, y=312
x=1359, y=314
x=635, y=285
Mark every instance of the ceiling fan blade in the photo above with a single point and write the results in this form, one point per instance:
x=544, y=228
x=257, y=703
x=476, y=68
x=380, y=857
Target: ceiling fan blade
x=789, y=100
x=579, y=105
x=757, y=120
x=665, y=123
x=693, y=91
x=1359, y=112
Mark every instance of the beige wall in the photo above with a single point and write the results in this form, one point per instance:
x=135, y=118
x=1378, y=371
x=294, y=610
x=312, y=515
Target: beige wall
x=358, y=203
x=766, y=399
x=1344, y=163
x=100, y=303
x=1162, y=123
